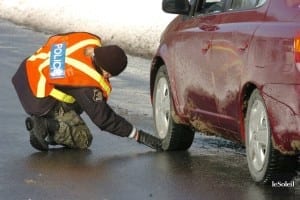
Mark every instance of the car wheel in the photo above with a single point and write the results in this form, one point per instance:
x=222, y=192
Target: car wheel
x=265, y=163
x=174, y=136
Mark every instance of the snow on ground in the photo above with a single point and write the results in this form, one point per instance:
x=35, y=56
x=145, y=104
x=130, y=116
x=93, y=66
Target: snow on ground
x=135, y=25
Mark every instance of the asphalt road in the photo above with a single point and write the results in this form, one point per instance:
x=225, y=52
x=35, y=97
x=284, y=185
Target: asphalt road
x=113, y=168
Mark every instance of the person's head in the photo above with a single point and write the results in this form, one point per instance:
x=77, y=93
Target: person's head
x=110, y=60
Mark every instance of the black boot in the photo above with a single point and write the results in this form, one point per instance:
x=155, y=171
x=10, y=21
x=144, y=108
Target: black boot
x=52, y=127
x=37, y=127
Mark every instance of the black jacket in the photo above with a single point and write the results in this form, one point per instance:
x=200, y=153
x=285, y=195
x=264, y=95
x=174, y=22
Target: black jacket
x=89, y=100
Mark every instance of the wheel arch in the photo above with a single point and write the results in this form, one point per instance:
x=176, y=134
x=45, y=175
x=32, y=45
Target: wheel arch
x=157, y=62
x=245, y=96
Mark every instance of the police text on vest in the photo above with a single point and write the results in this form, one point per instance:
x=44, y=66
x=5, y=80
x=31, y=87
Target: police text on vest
x=57, y=60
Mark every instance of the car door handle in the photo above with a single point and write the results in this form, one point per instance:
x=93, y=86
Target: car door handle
x=206, y=47
x=208, y=27
x=244, y=47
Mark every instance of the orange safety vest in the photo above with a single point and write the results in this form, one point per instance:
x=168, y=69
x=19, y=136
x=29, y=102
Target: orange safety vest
x=62, y=62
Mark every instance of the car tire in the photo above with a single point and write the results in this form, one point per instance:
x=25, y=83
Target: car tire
x=174, y=136
x=265, y=163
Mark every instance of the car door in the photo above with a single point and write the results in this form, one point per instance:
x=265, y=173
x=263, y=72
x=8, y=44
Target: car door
x=191, y=72
x=230, y=45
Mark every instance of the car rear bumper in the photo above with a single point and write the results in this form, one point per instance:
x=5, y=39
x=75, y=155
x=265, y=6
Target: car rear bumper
x=283, y=105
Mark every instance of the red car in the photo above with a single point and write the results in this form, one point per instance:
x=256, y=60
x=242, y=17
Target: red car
x=232, y=68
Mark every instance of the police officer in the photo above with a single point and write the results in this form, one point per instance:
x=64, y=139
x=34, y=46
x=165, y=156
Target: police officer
x=69, y=75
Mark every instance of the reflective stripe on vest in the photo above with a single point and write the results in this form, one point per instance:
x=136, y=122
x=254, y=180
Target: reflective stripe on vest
x=81, y=66
x=61, y=96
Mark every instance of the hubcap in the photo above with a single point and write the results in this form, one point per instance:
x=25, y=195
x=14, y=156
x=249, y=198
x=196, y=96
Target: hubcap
x=259, y=133
x=162, y=107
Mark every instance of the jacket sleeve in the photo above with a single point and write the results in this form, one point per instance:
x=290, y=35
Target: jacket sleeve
x=92, y=102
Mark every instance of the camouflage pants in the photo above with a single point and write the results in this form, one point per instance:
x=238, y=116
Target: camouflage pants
x=72, y=132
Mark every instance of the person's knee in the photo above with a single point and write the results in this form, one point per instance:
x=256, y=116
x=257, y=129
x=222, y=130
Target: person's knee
x=82, y=137
x=72, y=131
x=78, y=137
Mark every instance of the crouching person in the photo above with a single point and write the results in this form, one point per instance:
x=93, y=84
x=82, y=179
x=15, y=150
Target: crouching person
x=67, y=76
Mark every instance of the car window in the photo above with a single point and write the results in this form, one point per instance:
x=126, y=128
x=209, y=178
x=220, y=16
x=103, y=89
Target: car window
x=193, y=6
x=210, y=6
x=245, y=4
